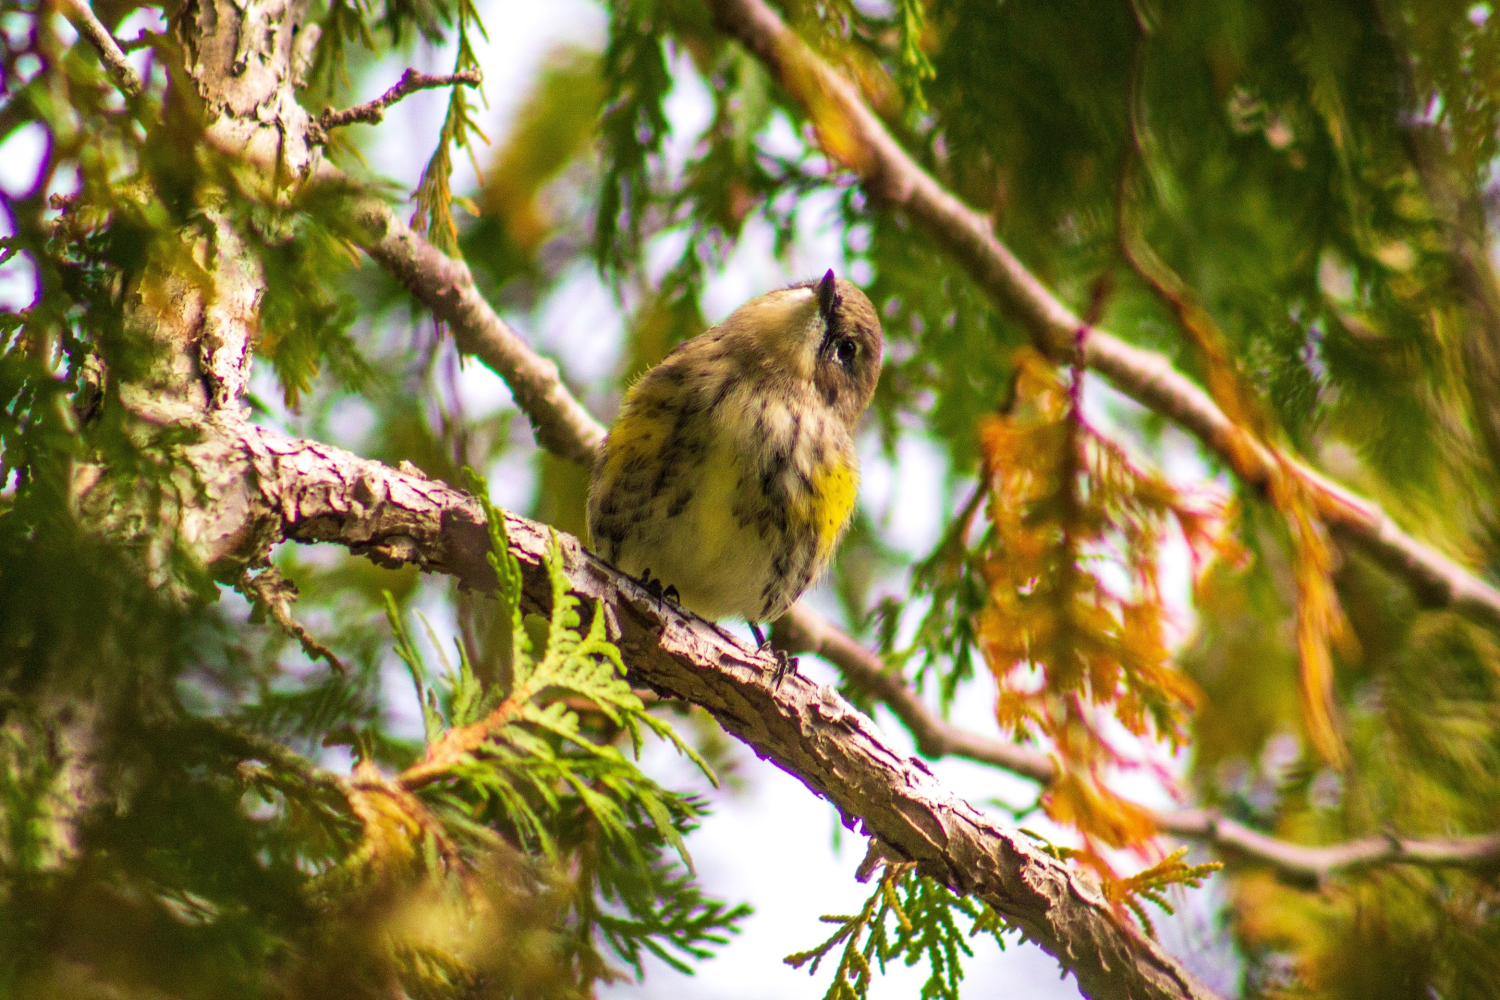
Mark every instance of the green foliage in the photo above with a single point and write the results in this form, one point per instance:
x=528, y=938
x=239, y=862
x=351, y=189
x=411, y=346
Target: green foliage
x=243, y=867
x=373, y=26
x=305, y=318
x=916, y=68
x=1306, y=168
x=434, y=197
x=532, y=764
x=538, y=184
x=910, y=918
x=1150, y=883
x=632, y=127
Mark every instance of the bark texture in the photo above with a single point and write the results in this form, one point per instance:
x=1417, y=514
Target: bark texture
x=313, y=492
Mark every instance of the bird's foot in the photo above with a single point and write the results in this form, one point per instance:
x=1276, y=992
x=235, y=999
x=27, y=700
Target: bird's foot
x=656, y=589
x=784, y=664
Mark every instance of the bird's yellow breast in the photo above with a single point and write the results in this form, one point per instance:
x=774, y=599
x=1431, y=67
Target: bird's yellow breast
x=835, y=486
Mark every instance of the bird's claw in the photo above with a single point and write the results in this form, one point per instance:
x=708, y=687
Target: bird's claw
x=650, y=584
x=656, y=589
x=784, y=664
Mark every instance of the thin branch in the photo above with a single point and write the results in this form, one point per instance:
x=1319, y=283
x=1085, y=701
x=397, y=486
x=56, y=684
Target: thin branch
x=252, y=746
x=806, y=632
x=561, y=424
x=1317, y=863
x=854, y=136
x=460, y=742
x=273, y=594
x=110, y=54
x=144, y=40
x=373, y=112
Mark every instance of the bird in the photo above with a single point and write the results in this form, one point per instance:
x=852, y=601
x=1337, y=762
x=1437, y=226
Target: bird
x=730, y=473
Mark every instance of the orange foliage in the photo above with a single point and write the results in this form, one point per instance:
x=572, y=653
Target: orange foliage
x=1320, y=617
x=1069, y=512
x=1076, y=800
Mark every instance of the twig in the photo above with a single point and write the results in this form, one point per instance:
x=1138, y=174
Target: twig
x=456, y=744
x=110, y=54
x=805, y=632
x=1317, y=863
x=889, y=174
x=273, y=594
x=144, y=40
x=248, y=745
x=373, y=112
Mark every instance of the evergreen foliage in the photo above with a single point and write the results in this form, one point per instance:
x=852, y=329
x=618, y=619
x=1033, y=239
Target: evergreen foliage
x=910, y=918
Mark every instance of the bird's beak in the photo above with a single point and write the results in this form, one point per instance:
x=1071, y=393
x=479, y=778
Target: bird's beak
x=828, y=300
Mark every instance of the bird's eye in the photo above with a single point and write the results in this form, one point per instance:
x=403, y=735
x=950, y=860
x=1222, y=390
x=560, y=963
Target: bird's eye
x=845, y=351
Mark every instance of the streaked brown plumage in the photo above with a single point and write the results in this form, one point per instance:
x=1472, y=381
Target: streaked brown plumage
x=731, y=473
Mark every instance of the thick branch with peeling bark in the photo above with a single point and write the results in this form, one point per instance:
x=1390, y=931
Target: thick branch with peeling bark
x=890, y=175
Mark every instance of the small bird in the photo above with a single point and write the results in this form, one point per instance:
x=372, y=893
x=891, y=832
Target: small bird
x=730, y=473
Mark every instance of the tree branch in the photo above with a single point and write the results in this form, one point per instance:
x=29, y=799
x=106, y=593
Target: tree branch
x=852, y=134
x=273, y=595
x=373, y=112
x=110, y=54
x=1317, y=863
x=444, y=285
x=807, y=632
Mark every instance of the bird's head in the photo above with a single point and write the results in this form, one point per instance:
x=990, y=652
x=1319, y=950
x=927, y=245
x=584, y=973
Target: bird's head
x=821, y=332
